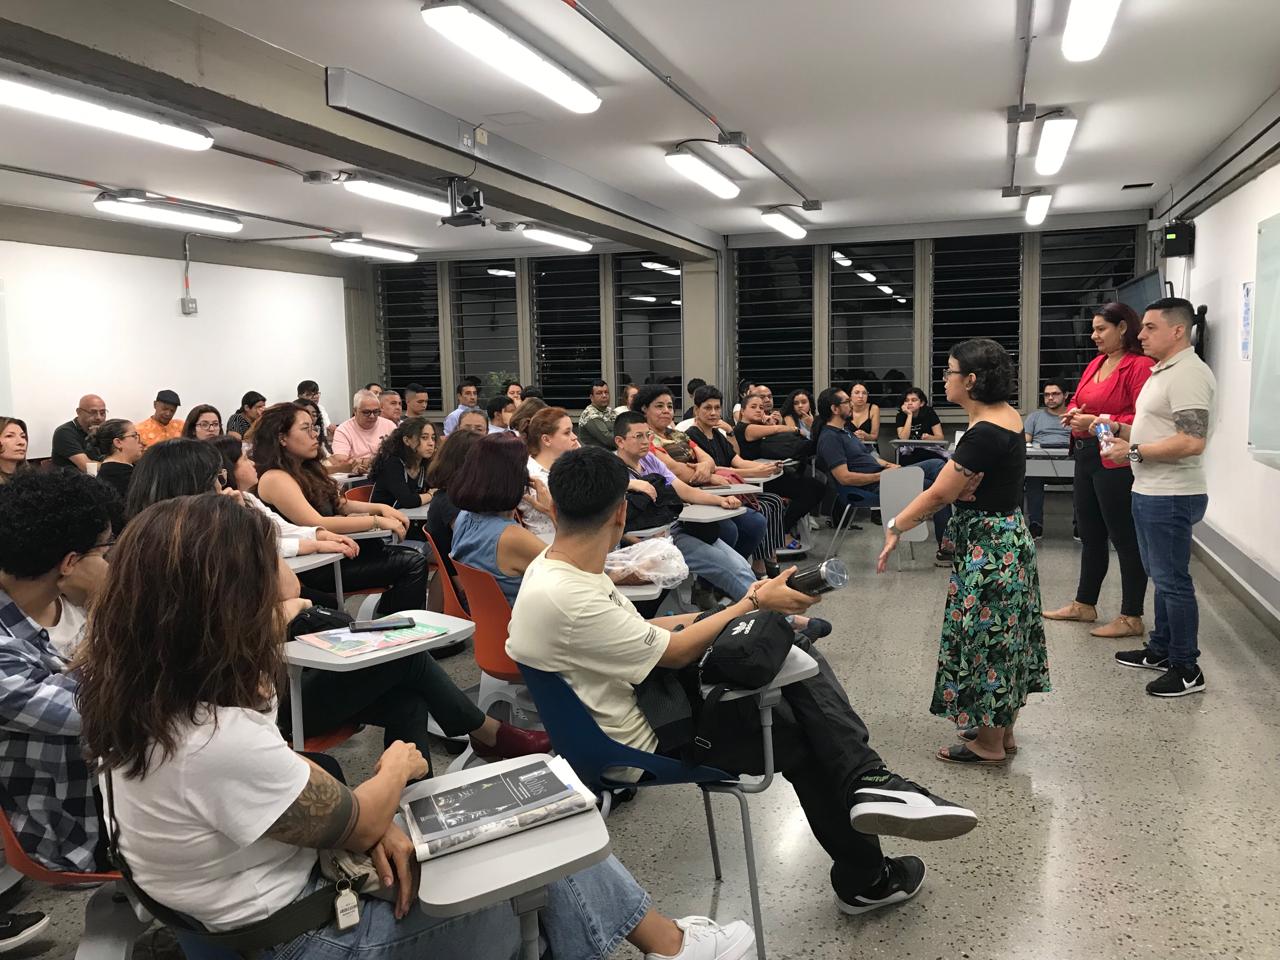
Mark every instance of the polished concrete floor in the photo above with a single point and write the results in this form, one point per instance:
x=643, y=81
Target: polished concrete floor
x=1127, y=827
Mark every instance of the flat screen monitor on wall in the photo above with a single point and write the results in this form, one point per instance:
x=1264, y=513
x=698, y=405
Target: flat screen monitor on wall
x=1141, y=290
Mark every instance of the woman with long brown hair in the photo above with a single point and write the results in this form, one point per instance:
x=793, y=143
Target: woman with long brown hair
x=292, y=481
x=13, y=447
x=219, y=820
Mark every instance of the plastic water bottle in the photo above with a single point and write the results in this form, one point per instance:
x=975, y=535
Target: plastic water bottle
x=1102, y=429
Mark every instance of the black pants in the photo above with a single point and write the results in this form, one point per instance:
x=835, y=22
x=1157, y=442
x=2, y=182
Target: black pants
x=804, y=492
x=1104, y=511
x=820, y=745
x=397, y=696
x=402, y=570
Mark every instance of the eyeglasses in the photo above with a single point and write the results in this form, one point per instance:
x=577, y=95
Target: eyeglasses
x=948, y=373
x=208, y=425
x=135, y=435
x=366, y=413
x=843, y=401
x=646, y=437
x=104, y=547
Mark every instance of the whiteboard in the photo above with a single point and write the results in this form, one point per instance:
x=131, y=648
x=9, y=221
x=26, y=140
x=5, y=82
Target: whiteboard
x=82, y=321
x=1264, y=425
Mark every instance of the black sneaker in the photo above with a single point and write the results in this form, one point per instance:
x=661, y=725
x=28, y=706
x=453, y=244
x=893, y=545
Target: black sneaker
x=1037, y=531
x=1143, y=659
x=902, y=879
x=884, y=804
x=17, y=928
x=1177, y=682
x=944, y=557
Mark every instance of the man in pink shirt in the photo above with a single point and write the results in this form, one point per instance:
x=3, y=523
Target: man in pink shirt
x=358, y=439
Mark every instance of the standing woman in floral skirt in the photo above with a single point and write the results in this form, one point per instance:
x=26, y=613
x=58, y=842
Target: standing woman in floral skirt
x=993, y=649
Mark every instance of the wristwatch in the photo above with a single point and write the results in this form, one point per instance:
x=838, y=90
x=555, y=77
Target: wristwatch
x=892, y=525
x=1134, y=455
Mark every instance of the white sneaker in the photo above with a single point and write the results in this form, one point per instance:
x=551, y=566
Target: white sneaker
x=704, y=939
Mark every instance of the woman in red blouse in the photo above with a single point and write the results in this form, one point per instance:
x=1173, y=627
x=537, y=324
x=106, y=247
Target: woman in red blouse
x=1109, y=387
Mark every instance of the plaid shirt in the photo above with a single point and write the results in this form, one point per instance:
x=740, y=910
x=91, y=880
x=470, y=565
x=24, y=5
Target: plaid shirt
x=45, y=786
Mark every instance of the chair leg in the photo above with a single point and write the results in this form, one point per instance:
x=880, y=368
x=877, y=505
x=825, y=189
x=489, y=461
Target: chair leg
x=110, y=926
x=752, y=880
x=369, y=607
x=711, y=832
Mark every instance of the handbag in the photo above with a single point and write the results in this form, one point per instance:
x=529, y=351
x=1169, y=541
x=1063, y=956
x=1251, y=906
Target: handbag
x=785, y=446
x=315, y=619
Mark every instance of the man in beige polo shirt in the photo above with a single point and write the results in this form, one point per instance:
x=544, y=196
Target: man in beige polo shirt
x=1165, y=446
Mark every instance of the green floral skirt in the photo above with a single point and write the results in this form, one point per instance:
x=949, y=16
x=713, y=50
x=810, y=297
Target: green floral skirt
x=993, y=651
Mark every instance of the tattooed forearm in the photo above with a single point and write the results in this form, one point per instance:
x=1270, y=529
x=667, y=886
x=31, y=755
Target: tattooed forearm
x=322, y=817
x=1194, y=423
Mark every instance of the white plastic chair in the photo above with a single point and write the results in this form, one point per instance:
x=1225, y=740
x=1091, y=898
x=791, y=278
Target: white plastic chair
x=897, y=489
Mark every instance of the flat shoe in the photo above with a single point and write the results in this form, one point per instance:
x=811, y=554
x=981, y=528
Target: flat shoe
x=1122, y=626
x=960, y=753
x=1072, y=611
x=971, y=734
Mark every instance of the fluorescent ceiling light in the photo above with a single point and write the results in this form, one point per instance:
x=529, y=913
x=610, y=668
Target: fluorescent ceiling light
x=1088, y=26
x=644, y=299
x=484, y=39
x=354, y=245
x=498, y=272
x=376, y=190
x=24, y=95
x=539, y=235
x=841, y=259
x=702, y=173
x=901, y=299
x=1055, y=138
x=664, y=268
x=137, y=207
x=884, y=288
x=869, y=277
x=783, y=224
x=1038, y=208
x=676, y=303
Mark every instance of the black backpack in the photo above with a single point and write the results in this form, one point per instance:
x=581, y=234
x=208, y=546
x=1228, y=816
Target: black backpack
x=645, y=514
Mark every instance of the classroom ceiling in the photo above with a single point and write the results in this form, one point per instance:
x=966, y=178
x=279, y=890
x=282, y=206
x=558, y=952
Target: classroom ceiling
x=888, y=113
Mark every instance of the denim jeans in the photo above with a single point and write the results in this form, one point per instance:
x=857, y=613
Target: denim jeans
x=1163, y=525
x=869, y=496
x=587, y=915
x=718, y=563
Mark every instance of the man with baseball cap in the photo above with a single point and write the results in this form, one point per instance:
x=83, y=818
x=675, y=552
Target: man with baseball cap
x=161, y=425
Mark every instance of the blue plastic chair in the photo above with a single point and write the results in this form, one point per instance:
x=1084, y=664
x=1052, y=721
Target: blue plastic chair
x=590, y=751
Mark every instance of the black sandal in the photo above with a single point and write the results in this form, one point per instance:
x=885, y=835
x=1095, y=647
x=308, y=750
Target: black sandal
x=971, y=733
x=960, y=753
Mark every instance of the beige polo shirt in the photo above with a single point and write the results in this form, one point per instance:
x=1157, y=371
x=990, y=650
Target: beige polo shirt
x=1182, y=382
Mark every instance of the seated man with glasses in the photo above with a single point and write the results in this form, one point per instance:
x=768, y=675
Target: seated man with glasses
x=71, y=447
x=51, y=525
x=1044, y=428
x=357, y=440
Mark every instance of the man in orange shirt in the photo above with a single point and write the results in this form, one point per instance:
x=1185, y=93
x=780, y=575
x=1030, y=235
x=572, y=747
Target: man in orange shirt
x=161, y=425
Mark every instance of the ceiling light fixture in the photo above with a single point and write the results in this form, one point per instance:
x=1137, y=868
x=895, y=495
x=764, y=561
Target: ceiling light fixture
x=869, y=277
x=486, y=40
x=1055, y=139
x=377, y=190
x=542, y=235
x=885, y=289
x=676, y=303
x=25, y=95
x=901, y=299
x=841, y=259
x=644, y=299
x=775, y=218
x=1088, y=27
x=498, y=272
x=662, y=267
x=136, y=205
x=693, y=167
x=1038, y=208
x=355, y=245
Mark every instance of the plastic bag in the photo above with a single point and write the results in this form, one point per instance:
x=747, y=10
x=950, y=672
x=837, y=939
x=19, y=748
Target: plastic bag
x=656, y=560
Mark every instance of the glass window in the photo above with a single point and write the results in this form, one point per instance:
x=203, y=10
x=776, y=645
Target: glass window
x=775, y=318
x=647, y=319
x=409, y=317
x=486, y=340
x=872, y=318
x=566, y=328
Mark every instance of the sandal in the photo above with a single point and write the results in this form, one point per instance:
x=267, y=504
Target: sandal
x=1076, y=611
x=960, y=753
x=971, y=733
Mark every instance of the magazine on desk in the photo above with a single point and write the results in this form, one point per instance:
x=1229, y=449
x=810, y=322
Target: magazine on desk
x=454, y=818
x=344, y=643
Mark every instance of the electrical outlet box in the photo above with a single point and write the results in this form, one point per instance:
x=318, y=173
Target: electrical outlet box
x=188, y=305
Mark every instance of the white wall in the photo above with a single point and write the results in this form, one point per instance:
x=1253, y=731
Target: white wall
x=81, y=321
x=1244, y=495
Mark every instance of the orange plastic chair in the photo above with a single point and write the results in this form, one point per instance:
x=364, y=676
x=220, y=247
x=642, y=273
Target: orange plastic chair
x=360, y=494
x=492, y=616
x=17, y=858
x=323, y=742
x=452, y=602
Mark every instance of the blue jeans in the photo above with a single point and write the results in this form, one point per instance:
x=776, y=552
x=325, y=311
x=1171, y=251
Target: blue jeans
x=716, y=563
x=869, y=496
x=587, y=915
x=1163, y=525
x=744, y=533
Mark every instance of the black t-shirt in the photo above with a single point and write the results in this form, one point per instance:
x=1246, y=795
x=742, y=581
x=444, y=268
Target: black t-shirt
x=921, y=424
x=393, y=486
x=717, y=446
x=68, y=440
x=117, y=475
x=1001, y=456
x=750, y=448
x=440, y=517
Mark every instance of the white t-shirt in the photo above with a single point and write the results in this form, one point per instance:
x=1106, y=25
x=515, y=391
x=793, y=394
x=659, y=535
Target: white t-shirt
x=1177, y=384
x=66, y=634
x=541, y=524
x=192, y=828
x=289, y=533
x=578, y=625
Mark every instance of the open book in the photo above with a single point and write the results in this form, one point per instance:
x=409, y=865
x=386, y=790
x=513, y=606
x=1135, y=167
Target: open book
x=454, y=818
x=344, y=643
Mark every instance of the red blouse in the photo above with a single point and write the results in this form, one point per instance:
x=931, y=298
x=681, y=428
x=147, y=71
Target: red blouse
x=1116, y=395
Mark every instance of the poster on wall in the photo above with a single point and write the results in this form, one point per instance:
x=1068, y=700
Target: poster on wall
x=1246, y=320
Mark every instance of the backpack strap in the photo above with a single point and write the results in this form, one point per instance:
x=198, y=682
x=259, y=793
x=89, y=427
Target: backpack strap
x=702, y=742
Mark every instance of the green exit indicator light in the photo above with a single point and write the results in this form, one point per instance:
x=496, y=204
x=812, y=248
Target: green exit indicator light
x=1171, y=236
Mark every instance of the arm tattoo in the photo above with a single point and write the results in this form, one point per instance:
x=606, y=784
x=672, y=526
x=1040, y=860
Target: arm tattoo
x=1194, y=423
x=322, y=817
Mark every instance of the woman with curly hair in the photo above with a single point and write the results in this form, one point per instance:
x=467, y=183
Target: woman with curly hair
x=993, y=649
x=399, y=471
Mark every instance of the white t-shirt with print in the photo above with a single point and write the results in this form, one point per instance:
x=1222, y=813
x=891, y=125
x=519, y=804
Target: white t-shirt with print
x=539, y=523
x=192, y=829
x=66, y=634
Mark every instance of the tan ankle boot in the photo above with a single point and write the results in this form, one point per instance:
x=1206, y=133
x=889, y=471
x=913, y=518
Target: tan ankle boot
x=1081, y=612
x=1121, y=626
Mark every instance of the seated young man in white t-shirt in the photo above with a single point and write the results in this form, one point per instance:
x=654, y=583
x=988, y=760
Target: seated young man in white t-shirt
x=570, y=619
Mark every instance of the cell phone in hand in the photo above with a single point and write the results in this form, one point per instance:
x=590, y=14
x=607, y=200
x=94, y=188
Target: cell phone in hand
x=386, y=623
